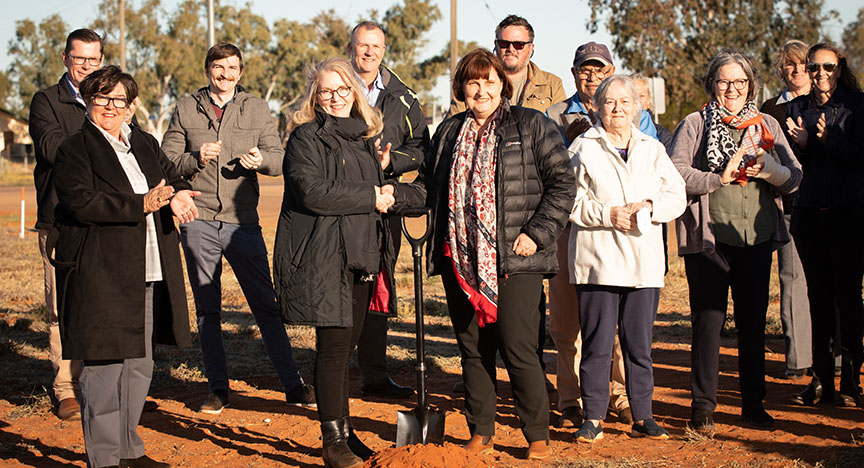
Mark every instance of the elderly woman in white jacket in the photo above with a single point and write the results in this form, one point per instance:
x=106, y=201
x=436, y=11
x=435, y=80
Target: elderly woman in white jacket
x=626, y=189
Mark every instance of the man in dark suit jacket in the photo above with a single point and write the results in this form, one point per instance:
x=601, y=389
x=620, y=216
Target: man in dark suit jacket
x=55, y=112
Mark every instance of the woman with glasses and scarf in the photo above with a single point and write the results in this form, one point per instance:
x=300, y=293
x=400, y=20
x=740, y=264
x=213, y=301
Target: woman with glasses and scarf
x=827, y=128
x=736, y=163
x=501, y=187
x=333, y=259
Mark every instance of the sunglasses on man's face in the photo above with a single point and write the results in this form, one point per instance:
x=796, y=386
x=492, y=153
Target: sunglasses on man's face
x=504, y=45
x=813, y=67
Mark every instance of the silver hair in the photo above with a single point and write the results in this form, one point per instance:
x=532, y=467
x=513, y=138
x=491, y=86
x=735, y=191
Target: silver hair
x=627, y=82
x=725, y=57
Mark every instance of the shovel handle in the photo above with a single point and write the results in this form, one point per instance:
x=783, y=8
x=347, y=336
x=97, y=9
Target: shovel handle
x=416, y=212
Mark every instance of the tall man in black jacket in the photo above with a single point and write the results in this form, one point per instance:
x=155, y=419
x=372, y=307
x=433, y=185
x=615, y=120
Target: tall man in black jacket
x=406, y=132
x=55, y=112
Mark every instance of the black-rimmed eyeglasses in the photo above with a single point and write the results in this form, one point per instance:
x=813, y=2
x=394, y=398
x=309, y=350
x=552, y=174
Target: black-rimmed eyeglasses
x=103, y=101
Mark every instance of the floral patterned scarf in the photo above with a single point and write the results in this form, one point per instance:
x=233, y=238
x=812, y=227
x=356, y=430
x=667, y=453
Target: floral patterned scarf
x=472, y=217
x=721, y=147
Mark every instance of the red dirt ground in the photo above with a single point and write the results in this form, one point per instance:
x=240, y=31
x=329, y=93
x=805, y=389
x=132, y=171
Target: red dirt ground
x=259, y=430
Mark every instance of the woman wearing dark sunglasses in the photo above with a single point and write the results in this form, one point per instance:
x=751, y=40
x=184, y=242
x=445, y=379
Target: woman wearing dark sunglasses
x=827, y=128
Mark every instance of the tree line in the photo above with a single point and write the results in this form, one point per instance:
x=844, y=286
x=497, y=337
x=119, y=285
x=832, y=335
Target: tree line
x=673, y=39
x=165, y=51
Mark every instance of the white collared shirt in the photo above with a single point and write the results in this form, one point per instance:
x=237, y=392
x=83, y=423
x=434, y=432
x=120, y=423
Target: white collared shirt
x=784, y=97
x=372, y=94
x=123, y=149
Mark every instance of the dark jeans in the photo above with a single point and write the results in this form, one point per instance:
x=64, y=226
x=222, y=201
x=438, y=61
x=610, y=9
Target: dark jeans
x=204, y=244
x=333, y=348
x=515, y=336
x=832, y=253
x=746, y=270
x=602, y=310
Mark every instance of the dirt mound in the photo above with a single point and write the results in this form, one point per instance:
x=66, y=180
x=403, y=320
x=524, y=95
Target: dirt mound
x=426, y=456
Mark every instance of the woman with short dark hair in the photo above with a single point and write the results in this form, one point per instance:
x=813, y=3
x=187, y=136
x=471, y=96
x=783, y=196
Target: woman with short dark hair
x=116, y=251
x=501, y=187
x=735, y=163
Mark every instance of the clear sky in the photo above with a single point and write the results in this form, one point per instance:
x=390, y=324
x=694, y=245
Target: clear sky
x=559, y=25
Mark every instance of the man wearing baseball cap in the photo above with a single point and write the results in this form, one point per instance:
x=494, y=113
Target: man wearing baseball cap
x=591, y=65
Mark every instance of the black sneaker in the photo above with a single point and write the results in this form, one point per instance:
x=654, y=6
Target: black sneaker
x=650, y=429
x=301, y=395
x=215, y=402
x=589, y=432
x=757, y=417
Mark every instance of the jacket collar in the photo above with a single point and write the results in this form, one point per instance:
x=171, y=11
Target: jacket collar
x=107, y=166
x=597, y=132
x=64, y=93
x=836, y=99
x=575, y=106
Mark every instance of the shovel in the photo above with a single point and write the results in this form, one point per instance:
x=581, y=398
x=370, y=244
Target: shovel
x=422, y=425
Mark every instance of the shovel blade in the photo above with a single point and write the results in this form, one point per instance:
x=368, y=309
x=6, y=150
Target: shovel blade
x=420, y=426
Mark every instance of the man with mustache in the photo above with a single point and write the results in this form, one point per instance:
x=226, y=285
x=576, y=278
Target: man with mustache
x=220, y=138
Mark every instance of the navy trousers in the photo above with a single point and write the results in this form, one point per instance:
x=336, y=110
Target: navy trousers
x=242, y=245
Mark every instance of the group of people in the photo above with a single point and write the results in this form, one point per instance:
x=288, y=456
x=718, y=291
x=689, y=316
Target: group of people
x=524, y=184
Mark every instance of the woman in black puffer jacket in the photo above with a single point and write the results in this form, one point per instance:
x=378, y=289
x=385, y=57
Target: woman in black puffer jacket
x=501, y=187
x=827, y=127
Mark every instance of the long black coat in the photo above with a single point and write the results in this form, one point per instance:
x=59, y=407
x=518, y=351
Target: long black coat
x=99, y=249
x=534, y=183
x=310, y=274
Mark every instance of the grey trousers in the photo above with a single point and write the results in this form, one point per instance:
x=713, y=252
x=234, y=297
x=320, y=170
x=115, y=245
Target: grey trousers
x=112, y=398
x=794, y=306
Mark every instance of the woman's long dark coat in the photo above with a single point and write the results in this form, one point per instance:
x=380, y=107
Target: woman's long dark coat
x=99, y=250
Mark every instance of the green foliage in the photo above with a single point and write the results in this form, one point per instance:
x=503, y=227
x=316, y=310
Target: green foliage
x=676, y=38
x=36, y=52
x=853, y=45
x=5, y=89
x=165, y=50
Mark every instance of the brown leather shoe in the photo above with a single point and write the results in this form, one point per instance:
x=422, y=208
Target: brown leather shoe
x=69, y=409
x=625, y=416
x=538, y=450
x=570, y=417
x=480, y=444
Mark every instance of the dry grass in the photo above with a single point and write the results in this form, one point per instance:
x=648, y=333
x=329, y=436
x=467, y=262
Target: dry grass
x=23, y=323
x=16, y=173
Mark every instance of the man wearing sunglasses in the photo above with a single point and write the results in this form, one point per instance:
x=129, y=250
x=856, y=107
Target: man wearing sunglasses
x=220, y=138
x=592, y=63
x=532, y=87
x=55, y=112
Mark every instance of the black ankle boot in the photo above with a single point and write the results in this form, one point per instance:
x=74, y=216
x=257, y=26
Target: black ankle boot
x=336, y=453
x=354, y=443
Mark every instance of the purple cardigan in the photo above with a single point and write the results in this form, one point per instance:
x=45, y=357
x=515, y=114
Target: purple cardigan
x=693, y=228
